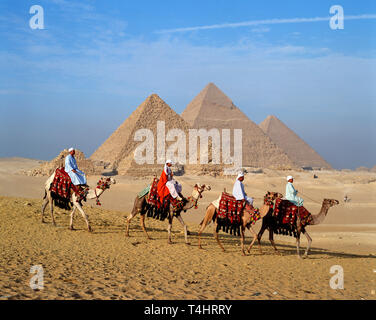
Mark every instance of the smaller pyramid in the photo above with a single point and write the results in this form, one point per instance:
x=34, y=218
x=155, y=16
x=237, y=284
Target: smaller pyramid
x=296, y=149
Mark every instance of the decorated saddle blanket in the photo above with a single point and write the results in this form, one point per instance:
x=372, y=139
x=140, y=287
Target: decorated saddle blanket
x=153, y=198
x=230, y=208
x=286, y=212
x=61, y=184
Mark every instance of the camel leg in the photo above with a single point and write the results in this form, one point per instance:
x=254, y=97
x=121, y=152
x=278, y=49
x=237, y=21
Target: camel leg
x=259, y=236
x=242, y=239
x=71, y=218
x=208, y=217
x=217, y=238
x=169, y=229
x=202, y=228
x=298, y=244
x=129, y=218
x=79, y=207
x=185, y=229
x=44, y=205
x=142, y=223
x=271, y=239
x=52, y=211
x=255, y=236
x=309, y=243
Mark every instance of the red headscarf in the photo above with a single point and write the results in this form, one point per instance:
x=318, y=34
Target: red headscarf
x=162, y=188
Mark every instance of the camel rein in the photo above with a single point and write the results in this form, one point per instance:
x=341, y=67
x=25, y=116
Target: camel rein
x=305, y=196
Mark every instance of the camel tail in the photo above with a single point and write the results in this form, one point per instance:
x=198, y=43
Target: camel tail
x=45, y=194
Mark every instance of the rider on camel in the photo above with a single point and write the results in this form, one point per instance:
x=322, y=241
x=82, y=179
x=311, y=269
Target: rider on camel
x=78, y=178
x=167, y=185
x=238, y=190
x=291, y=193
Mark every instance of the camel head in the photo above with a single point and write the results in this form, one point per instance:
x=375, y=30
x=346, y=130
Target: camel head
x=198, y=189
x=328, y=203
x=105, y=183
x=273, y=195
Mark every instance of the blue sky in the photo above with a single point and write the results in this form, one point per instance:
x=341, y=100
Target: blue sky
x=77, y=80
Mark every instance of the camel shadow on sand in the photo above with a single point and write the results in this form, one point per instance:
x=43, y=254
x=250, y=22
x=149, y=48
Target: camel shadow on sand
x=232, y=243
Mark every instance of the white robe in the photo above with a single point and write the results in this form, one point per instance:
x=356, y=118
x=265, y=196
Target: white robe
x=239, y=193
x=173, y=186
x=291, y=195
x=70, y=165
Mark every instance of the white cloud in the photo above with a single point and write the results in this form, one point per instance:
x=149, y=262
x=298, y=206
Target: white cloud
x=262, y=22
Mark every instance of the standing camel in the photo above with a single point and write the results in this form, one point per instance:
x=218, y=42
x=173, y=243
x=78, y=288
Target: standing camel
x=211, y=215
x=141, y=206
x=270, y=222
x=102, y=185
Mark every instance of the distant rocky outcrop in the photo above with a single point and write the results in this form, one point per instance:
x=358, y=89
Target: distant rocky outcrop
x=88, y=166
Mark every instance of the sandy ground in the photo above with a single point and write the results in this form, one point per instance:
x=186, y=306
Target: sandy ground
x=107, y=265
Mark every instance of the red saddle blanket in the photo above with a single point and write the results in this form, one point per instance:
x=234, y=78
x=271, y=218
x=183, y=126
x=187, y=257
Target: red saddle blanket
x=230, y=208
x=287, y=212
x=154, y=200
x=62, y=184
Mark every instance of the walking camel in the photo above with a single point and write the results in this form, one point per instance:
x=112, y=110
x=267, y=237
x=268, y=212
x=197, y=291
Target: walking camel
x=102, y=185
x=141, y=206
x=270, y=222
x=211, y=215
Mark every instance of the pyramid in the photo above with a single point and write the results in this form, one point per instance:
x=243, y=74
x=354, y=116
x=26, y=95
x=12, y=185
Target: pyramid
x=119, y=149
x=211, y=108
x=86, y=165
x=297, y=150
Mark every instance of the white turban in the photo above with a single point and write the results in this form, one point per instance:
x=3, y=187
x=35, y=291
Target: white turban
x=289, y=177
x=169, y=161
x=71, y=149
x=241, y=174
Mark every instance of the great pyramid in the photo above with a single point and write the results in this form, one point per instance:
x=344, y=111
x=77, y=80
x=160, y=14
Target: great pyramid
x=297, y=150
x=211, y=108
x=119, y=149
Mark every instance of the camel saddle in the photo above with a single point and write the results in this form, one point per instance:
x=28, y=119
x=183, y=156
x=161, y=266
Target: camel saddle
x=61, y=188
x=286, y=213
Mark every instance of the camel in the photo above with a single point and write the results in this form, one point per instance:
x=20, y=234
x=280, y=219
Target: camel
x=269, y=222
x=211, y=215
x=103, y=184
x=141, y=206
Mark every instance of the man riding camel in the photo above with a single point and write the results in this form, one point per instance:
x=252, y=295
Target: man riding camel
x=238, y=190
x=167, y=185
x=77, y=176
x=291, y=193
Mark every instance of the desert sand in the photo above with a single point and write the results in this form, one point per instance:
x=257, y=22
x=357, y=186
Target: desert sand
x=107, y=265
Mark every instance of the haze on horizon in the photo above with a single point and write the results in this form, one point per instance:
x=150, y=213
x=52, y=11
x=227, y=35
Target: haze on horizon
x=74, y=82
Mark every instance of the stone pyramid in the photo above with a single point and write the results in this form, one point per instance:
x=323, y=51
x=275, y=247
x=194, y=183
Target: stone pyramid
x=119, y=149
x=297, y=150
x=211, y=108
